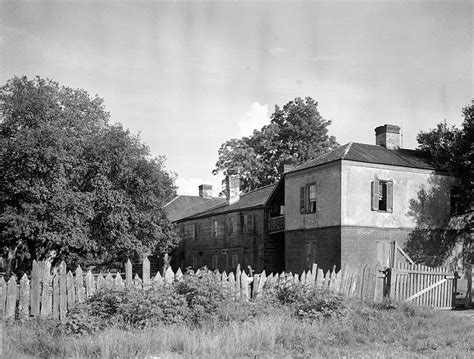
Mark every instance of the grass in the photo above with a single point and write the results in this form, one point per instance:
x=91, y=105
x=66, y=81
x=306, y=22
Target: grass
x=367, y=331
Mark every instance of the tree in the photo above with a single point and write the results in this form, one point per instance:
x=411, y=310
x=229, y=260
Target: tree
x=450, y=150
x=296, y=133
x=72, y=186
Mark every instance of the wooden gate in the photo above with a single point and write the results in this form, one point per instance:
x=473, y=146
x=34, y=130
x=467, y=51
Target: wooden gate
x=422, y=285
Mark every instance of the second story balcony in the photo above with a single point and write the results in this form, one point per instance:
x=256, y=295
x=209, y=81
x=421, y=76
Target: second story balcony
x=276, y=224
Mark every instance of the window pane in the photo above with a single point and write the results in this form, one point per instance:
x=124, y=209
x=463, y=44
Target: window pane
x=312, y=192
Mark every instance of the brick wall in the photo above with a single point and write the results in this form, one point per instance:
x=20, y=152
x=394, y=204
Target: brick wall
x=248, y=247
x=305, y=247
x=359, y=244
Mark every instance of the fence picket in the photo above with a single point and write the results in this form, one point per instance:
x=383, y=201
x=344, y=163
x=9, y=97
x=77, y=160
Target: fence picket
x=89, y=281
x=24, y=301
x=3, y=297
x=56, y=302
x=100, y=281
x=128, y=273
x=79, y=284
x=47, y=292
x=158, y=279
x=146, y=270
x=35, y=291
x=12, y=293
x=62, y=291
x=169, y=276
x=118, y=281
x=109, y=280
x=71, y=295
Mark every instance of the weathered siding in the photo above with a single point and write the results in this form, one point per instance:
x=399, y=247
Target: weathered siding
x=328, y=191
x=356, y=194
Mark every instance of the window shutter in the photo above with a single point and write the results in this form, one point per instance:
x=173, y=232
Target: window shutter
x=389, y=196
x=302, y=200
x=375, y=195
x=251, y=223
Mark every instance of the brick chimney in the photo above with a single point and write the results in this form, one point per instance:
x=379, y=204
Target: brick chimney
x=388, y=136
x=232, y=184
x=205, y=191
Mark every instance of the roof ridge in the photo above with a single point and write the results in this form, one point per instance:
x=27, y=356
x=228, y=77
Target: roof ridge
x=259, y=188
x=178, y=195
x=346, y=151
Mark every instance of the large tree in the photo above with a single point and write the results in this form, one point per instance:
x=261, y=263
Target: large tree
x=73, y=186
x=296, y=133
x=434, y=241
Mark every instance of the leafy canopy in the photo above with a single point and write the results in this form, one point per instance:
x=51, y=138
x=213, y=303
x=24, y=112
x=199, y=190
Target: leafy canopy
x=296, y=133
x=436, y=240
x=73, y=186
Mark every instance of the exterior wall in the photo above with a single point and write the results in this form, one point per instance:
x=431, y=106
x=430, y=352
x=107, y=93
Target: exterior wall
x=248, y=247
x=356, y=194
x=318, y=245
x=328, y=192
x=363, y=245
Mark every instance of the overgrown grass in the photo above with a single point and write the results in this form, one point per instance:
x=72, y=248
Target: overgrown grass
x=203, y=321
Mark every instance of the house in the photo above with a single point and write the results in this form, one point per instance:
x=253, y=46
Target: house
x=230, y=233
x=346, y=206
x=342, y=208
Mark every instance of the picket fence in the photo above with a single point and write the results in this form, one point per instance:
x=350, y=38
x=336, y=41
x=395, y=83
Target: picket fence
x=49, y=293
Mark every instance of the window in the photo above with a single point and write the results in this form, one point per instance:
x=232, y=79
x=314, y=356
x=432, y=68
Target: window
x=248, y=223
x=193, y=261
x=215, y=261
x=308, y=197
x=196, y=231
x=230, y=225
x=455, y=200
x=215, y=228
x=382, y=196
x=235, y=259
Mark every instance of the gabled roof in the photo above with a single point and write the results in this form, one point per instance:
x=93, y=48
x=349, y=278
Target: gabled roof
x=252, y=199
x=184, y=206
x=360, y=152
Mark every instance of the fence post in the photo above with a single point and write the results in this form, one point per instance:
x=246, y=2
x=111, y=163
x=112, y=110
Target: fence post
x=128, y=274
x=455, y=289
x=387, y=284
x=146, y=270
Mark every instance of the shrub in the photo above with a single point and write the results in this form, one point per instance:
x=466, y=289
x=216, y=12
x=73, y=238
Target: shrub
x=312, y=303
x=204, y=293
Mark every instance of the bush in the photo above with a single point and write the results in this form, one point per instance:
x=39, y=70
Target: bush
x=139, y=308
x=312, y=303
x=204, y=293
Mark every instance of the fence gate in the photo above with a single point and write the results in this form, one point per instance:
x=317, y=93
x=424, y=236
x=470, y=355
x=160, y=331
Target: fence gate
x=421, y=285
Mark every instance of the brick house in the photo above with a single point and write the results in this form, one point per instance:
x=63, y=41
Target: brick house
x=346, y=206
x=229, y=233
x=343, y=207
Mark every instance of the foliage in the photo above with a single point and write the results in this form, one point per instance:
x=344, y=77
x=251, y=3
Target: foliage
x=310, y=303
x=296, y=133
x=450, y=150
x=368, y=331
x=73, y=186
x=204, y=293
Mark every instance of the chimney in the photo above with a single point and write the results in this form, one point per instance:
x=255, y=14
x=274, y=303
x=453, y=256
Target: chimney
x=205, y=191
x=388, y=136
x=232, y=189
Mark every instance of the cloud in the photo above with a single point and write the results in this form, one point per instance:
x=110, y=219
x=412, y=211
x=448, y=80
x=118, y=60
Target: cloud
x=253, y=119
x=190, y=186
x=323, y=58
x=277, y=51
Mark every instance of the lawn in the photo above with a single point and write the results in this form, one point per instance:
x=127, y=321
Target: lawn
x=367, y=331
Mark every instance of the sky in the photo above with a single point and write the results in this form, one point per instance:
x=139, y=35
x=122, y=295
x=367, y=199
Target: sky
x=189, y=76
